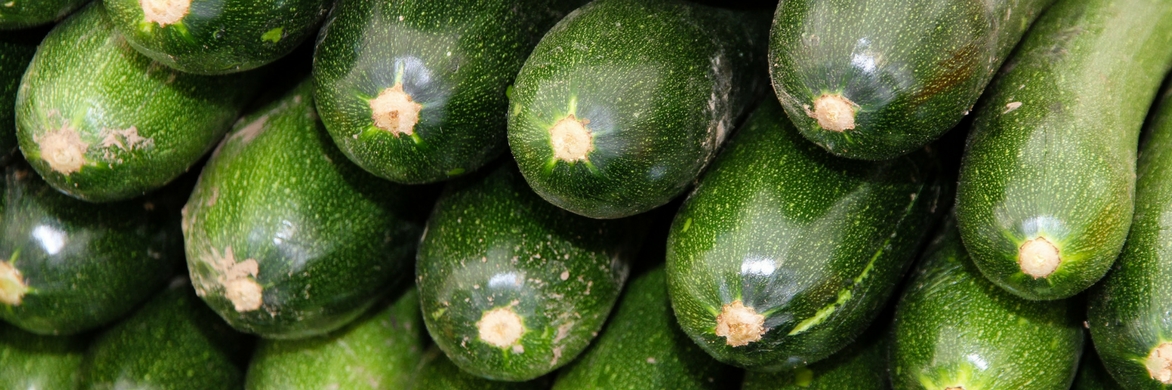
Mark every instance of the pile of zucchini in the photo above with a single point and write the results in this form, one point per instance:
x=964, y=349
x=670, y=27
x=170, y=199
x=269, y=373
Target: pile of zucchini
x=575, y=194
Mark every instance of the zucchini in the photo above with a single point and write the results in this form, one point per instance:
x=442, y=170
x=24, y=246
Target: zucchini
x=1092, y=375
x=1045, y=195
x=783, y=254
x=624, y=102
x=860, y=366
x=436, y=372
x=1128, y=311
x=877, y=79
x=16, y=50
x=410, y=91
x=642, y=347
x=285, y=237
x=67, y=266
x=101, y=122
x=32, y=361
x=956, y=330
x=216, y=37
x=378, y=351
x=511, y=286
x=18, y=14
x=172, y=342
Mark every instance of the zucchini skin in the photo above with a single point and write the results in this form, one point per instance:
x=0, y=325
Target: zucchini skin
x=219, y=37
x=658, y=85
x=494, y=250
x=1053, y=148
x=436, y=372
x=1092, y=375
x=860, y=366
x=16, y=50
x=642, y=347
x=32, y=361
x=955, y=329
x=23, y=14
x=378, y=351
x=1128, y=311
x=114, y=124
x=813, y=243
x=324, y=237
x=84, y=264
x=436, y=51
x=912, y=69
x=163, y=343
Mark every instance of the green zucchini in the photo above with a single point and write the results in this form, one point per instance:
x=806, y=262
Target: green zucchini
x=18, y=14
x=1128, y=311
x=410, y=91
x=172, y=342
x=101, y=122
x=642, y=347
x=32, y=361
x=67, y=266
x=624, y=102
x=285, y=237
x=16, y=50
x=783, y=254
x=877, y=79
x=1045, y=191
x=1092, y=375
x=511, y=286
x=956, y=330
x=378, y=351
x=860, y=366
x=436, y=372
x=216, y=37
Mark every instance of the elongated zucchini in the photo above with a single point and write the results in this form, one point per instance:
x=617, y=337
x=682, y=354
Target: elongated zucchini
x=1046, y=185
x=16, y=50
x=285, y=237
x=1128, y=311
x=784, y=254
x=18, y=14
x=410, y=91
x=32, y=361
x=860, y=366
x=624, y=102
x=956, y=330
x=876, y=79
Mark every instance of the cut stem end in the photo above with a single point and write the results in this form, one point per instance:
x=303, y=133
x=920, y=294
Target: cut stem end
x=1038, y=258
x=1159, y=363
x=739, y=324
x=834, y=112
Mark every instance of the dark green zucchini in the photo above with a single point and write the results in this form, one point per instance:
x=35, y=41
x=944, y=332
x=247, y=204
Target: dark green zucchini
x=216, y=37
x=1092, y=375
x=172, y=342
x=877, y=79
x=511, y=286
x=101, y=122
x=16, y=50
x=410, y=90
x=860, y=366
x=436, y=372
x=624, y=102
x=67, y=266
x=1045, y=192
x=378, y=351
x=17, y=14
x=642, y=347
x=1128, y=312
x=956, y=330
x=32, y=361
x=285, y=237
x=783, y=254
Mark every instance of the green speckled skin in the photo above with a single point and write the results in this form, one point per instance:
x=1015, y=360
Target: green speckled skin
x=642, y=347
x=439, y=50
x=913, y=68
x=16, y=50
x=31, y=361
x=814, y=243
x=85, y=264
x=661, y=83
x=492, y=243
x=378, y=351
x=220, y=36
x=328, y=237
x=955, y=329
x=1092, y=375
x=1128, y=312
x=142, y=123
x=436, y=372
x=860, y=366
x=174, y=342
x=28, y=13
x=1061, y=164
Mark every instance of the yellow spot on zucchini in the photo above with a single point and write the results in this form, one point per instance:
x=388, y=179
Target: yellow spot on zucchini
x=273, y=35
